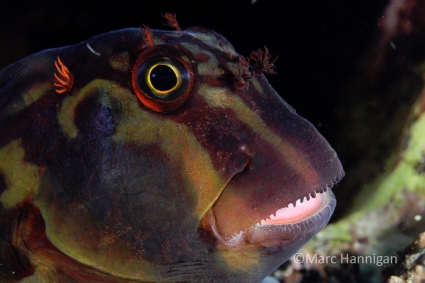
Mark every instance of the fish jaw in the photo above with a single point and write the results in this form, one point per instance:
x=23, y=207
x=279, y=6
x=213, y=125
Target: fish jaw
x=290, y=227
x=298, y=168
x=283, y=197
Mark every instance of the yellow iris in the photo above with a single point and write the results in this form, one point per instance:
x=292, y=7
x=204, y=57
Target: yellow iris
x=156, y=91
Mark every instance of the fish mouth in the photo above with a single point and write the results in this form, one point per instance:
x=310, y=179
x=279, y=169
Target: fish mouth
x=300, y=220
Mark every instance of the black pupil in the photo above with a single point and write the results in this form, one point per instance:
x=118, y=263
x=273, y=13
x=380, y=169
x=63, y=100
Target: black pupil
x=163, y=78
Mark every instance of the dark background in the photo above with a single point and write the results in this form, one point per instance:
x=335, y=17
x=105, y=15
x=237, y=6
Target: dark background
x=318, y=42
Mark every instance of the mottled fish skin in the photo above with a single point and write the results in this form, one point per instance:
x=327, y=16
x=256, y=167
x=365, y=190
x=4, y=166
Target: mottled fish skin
x=95, y=186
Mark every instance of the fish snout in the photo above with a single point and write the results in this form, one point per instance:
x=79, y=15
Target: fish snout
x=282, y=196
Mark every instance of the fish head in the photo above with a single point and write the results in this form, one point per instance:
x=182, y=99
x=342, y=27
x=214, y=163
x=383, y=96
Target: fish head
x=167, y=159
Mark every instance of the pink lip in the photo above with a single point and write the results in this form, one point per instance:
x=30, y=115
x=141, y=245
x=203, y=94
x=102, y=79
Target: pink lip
x=294, y=213
x=307, y=217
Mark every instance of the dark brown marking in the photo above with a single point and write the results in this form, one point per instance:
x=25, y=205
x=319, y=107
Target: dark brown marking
x=201, y=57
x=15, y=264
x=3, y=185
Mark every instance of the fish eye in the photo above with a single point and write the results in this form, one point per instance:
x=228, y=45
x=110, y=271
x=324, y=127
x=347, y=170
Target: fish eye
x=163, y=78
x=161, y=82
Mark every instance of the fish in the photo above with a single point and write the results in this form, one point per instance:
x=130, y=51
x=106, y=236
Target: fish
x=144, y=155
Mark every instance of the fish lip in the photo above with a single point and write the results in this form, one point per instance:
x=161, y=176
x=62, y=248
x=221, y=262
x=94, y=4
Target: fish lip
x=269, y=235
x=276, y=234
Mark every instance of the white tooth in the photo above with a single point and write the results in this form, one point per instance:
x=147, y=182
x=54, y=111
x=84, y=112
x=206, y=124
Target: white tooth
x=236, y=239
x=290, y=205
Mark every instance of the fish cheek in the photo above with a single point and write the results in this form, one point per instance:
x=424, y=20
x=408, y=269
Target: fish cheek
x=94, y=120
x=145, y=202
x=130, y=203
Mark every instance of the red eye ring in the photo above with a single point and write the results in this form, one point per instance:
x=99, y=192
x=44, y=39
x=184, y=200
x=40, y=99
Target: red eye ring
x=176, y=58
